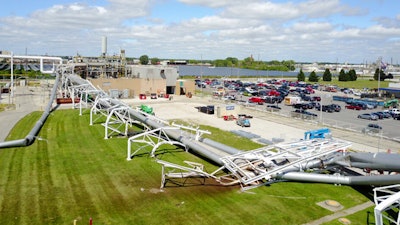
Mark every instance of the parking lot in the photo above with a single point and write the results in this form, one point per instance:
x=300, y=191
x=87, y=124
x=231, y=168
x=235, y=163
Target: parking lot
x=346, y=118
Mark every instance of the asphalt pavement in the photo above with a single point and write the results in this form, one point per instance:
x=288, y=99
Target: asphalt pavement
x=26, y=100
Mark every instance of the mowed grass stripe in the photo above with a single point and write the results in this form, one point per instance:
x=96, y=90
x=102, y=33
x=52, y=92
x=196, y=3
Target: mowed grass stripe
x=11, y=210
x=73, y=163
x=14, y=179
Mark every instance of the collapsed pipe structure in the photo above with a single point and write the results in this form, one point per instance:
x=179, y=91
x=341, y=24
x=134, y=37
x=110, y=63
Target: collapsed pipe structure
x=266, y=164
x=378, y=161
x=238, y=159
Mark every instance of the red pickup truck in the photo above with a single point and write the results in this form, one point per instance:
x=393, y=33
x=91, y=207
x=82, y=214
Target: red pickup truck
x=257, y=100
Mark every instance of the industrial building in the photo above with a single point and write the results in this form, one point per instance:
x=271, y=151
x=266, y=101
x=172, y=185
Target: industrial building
x=113, y=74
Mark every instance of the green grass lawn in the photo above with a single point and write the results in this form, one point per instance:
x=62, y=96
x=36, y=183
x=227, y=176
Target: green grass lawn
x=360, y=83
x=73, y=173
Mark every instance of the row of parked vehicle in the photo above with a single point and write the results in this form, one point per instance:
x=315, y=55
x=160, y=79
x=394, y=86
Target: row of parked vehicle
x=392, y=113
x=317, y=106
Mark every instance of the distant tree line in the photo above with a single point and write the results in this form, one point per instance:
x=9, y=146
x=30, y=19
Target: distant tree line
x=247, y=63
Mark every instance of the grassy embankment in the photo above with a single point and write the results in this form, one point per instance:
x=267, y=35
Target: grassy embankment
x=74, y=173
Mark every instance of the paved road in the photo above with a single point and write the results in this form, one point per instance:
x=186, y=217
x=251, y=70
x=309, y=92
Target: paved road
x=341, y=213
x=27, y=100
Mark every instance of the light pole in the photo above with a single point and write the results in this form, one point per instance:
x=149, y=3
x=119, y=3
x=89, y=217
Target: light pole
x=320, y=110
x=201, y=74
x=379, y=139
x=379, y=75
x=12, y=78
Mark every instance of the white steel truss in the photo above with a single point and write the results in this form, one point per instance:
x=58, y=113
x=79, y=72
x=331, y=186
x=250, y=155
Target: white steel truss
x=153, y=138
x=387, y=198
x=76, y=91
x=172, y=172
x=115, y=119
x=86, y=98
x=102, y=106
x=261, y=166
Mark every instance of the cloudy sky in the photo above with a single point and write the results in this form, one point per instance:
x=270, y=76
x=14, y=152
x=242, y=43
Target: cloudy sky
x=354, y=31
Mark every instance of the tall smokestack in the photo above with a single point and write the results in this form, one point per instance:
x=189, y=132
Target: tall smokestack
x=104, y=46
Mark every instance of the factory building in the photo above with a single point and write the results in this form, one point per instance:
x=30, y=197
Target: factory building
x=113, y=75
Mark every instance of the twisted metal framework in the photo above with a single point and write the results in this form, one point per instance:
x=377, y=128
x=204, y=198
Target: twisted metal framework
x=387, y=199
x=153, y=138
x=261, y=166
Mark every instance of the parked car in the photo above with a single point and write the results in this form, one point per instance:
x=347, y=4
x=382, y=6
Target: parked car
x=380, y=115
x=243, y=121
x=309, y=114
x=257, y=100
x=304, y=114
x=353, y=107
x=374, y=125
x=229, y=98
x=269, y=99
x=372, y=128
x=386, y=115
x=327, y=108
x=316, y=98
x=273, y=108
x=367, y=116
x=300, y=106
x=336, y=107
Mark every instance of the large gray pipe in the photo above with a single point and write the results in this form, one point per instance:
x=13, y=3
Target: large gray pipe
x=30, y=138
x=225, y=148
x=339, y=179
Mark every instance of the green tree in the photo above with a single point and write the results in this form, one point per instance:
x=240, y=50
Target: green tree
x=233, y=61
x=313, y=77
x=144, y=59
x=301, y=76
x=327, y=76
x=247, y=62
x=381, y=72
x=220, y=62
x=352, y=75
x=155, y=61
x=343, y=76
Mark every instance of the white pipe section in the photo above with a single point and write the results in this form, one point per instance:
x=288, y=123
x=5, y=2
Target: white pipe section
x=40, y=58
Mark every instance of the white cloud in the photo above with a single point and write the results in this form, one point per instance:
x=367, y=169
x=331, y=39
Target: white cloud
x=274, y=30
